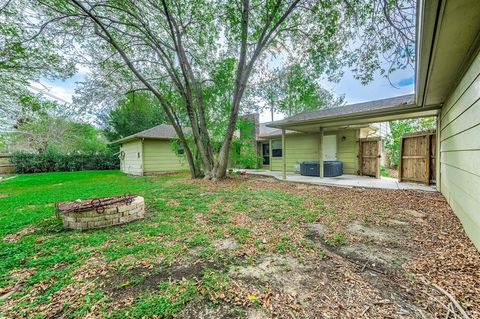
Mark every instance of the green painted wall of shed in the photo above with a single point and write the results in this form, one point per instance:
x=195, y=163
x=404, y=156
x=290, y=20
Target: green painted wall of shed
x=132, y=161
x=459, y=165
x=305, y=147
x=160, y=157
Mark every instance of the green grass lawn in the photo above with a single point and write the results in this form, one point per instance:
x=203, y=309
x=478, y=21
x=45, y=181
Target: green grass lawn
x=241, y=247
x=183, y=216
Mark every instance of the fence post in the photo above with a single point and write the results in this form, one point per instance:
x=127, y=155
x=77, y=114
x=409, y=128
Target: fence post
x=400, y=168
x=427, y=158
x=379, y=155
x=360, y=156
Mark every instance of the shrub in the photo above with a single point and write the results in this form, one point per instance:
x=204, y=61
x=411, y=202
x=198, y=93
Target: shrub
x=243, y=155
x=52, y=161
x=384, y=171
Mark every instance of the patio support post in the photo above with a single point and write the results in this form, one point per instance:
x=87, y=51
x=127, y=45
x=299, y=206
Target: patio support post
x=438, y=172
x=321, y=152
x=284, y=156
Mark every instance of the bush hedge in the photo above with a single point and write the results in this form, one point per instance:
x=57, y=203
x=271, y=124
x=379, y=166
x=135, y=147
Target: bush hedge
x=50, y=161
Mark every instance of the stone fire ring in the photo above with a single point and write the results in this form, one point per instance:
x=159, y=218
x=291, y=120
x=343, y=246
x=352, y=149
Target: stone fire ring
x=104, y=212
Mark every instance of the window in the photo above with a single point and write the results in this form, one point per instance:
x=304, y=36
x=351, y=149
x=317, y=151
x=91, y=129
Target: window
x=277, y=148
x=180, y=150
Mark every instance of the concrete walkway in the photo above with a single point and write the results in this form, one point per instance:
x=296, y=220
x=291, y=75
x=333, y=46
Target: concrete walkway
x=345, y=181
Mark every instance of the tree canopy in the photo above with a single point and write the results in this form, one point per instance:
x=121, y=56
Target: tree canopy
x=198, y=57
x=401, y=127
x=296, y=90
x=25, y=56
x=136, y=112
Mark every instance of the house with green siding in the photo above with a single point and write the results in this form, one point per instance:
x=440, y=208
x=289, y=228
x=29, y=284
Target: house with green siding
x=151, y=151
x=157, y=150
x=447, y=85
x=336, y=142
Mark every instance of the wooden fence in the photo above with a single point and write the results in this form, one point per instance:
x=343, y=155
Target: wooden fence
x=5, y=166
x=369, y=155
x=417, y=157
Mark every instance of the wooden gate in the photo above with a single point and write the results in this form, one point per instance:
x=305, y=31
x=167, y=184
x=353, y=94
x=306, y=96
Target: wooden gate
x=417, y=157
x=369, y=154
x=5, y=166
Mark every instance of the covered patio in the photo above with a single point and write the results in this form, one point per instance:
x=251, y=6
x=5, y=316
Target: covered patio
x=343, y=181
x=334, y=135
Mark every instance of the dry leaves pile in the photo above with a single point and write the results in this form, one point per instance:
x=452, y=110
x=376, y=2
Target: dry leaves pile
x=441, y=252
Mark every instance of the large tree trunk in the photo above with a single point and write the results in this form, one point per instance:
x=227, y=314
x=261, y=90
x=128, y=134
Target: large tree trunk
x=189, y=88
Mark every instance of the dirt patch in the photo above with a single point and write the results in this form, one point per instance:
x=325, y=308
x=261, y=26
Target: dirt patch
x=282, y=272
x=11, y=238
x=376, y=233
x=256, y=314
x=375, y=256
x=19, y=276
x=201, y=310
x=226, y=244
x=322, y=288
x=316, y=231
x=128, y=286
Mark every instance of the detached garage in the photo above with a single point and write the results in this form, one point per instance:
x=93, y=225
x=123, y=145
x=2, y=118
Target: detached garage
x=152, y=151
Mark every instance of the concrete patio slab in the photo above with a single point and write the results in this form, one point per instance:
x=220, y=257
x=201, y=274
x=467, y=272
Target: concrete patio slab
x=345, y=181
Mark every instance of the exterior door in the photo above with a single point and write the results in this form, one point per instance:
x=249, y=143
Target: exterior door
x=330, y=147
x=266, y=153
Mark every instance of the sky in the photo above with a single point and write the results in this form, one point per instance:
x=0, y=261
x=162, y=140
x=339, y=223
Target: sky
x=354, y=91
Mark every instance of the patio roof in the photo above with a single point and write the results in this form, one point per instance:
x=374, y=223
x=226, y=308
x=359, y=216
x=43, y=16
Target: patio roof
x=439, y=66
x=355, y=114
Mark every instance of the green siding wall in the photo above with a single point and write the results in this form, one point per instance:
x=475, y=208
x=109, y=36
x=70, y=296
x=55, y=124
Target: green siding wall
x=132, y=162
x=299, y=148
x=160, y=157
x=459, y=138
x=347, y=150
x=305, y=147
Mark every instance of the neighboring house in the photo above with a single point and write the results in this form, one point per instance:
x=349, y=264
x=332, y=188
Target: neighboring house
x=447, y=86
x=152, y=151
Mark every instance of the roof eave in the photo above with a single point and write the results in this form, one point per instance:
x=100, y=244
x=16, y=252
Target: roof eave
x=427, y=19
x=404, y=108
x=124, y=139
x=133, y=137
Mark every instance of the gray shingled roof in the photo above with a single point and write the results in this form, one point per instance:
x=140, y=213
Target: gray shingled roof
x=348, y=109
x=266, y=131
x=162, y=131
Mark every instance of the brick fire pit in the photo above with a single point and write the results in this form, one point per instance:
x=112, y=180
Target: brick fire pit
x=101, y=212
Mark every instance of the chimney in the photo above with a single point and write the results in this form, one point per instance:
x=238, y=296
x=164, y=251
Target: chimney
x=255, y=119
